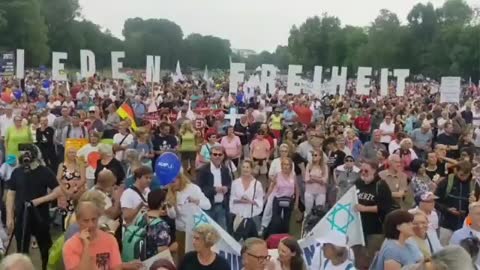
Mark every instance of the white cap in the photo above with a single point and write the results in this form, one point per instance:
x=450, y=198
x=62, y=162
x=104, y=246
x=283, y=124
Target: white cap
x=335, y=238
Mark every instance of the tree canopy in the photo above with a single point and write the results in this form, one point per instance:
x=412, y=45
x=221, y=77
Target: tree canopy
x=432, y=41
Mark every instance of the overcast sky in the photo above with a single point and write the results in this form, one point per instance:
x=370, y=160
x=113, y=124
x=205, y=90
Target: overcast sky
x=248, y=24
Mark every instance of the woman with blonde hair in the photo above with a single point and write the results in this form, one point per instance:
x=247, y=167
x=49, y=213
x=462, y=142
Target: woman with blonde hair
x=316, y=181
x=353, y=142
x=72, y=181
x=246, y=201
x=188, y=148
x=282, y=198
x=143, y=144
x=204, y=238
x=183, y=195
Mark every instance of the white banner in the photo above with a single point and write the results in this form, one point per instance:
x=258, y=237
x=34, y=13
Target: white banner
x=450, y=89
x=341, y=218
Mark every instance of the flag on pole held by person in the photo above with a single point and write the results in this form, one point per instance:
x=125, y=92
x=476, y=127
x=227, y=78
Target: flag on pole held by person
x=342, y=219
x=125, y=111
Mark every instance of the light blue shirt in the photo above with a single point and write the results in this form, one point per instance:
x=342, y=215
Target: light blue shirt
x=392, y=251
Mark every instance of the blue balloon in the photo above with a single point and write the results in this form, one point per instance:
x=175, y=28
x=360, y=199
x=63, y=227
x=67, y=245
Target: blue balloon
x=167, y=168
x=46, y=84
x=18, y=94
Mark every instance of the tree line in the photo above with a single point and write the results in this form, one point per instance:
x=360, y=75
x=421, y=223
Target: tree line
x=433, y=41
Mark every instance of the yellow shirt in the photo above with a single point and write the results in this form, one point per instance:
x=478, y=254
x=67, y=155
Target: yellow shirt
x=276, y=122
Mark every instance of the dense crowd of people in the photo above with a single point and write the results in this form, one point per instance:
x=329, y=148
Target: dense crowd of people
x=261, y=165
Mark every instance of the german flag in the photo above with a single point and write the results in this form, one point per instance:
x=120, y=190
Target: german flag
x=125, y=111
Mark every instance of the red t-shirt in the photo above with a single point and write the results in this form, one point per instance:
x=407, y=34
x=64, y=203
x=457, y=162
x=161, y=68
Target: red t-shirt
x=363, y=123
x=304, y=114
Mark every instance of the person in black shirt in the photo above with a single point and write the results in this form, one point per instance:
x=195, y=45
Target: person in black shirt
x=242, y=131
x=163, y=140
x=467, y=115
x=108, y=161
x=203, y=258
x=375, y=202
x=450, y=140
x=44, y=137
x=27, y=208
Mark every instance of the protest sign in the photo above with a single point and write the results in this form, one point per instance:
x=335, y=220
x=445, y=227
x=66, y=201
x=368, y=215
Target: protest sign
x=7, y=64
x=341, y=218
x=75, y=143
x=450, y=89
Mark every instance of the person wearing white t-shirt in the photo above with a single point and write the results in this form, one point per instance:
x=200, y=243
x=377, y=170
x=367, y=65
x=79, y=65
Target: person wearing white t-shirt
x=134, y=199
x=122, y=140
x=388, y=129
x=6, y=120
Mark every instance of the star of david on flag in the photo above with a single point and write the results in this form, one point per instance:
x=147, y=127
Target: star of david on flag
x=337, y=221
x=199, y=219
x=342, y=217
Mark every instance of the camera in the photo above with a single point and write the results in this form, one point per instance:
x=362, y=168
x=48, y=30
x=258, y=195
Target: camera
x=28, y=153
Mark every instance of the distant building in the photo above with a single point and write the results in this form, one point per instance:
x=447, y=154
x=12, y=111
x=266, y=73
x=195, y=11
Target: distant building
x=245, y=53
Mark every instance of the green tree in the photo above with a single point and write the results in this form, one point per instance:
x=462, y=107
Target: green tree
x=152, y=37
x=200, y=51
x=24, y=27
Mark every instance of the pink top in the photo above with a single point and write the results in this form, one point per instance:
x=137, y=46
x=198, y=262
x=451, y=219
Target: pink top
x=316, y=173
x=232, y=146
x=285, y=186
x=260, y=149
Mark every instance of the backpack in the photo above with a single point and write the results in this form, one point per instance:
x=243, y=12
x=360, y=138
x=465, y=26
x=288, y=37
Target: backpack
x=134, y=240
x=450, y=182
x=69, y=129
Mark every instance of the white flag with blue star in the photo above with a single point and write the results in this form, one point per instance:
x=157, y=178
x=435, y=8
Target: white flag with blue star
x=343, y=218
x=227, y=247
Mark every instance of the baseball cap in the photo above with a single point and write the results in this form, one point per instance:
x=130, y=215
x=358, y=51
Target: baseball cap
x=91, y=109
x=423, y=196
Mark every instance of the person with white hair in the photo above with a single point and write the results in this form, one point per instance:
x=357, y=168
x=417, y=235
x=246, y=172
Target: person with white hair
x=109, y=162
x=16, y=261
x=422, y=140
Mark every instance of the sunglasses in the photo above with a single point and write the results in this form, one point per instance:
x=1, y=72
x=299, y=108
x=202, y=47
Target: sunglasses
x=217, y=155
x=365, y=171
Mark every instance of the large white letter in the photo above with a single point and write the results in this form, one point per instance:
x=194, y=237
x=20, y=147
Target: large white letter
x=384, y=81
x=401, y=75
x=87, y=63
x=317, y=80
x=363, y=80
x=20, y=70
x=153, y=68
x=58, y=69
x=338, y=80
x=237, y=75
x=117, y=65
x=269, y=74
x=294, y=81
